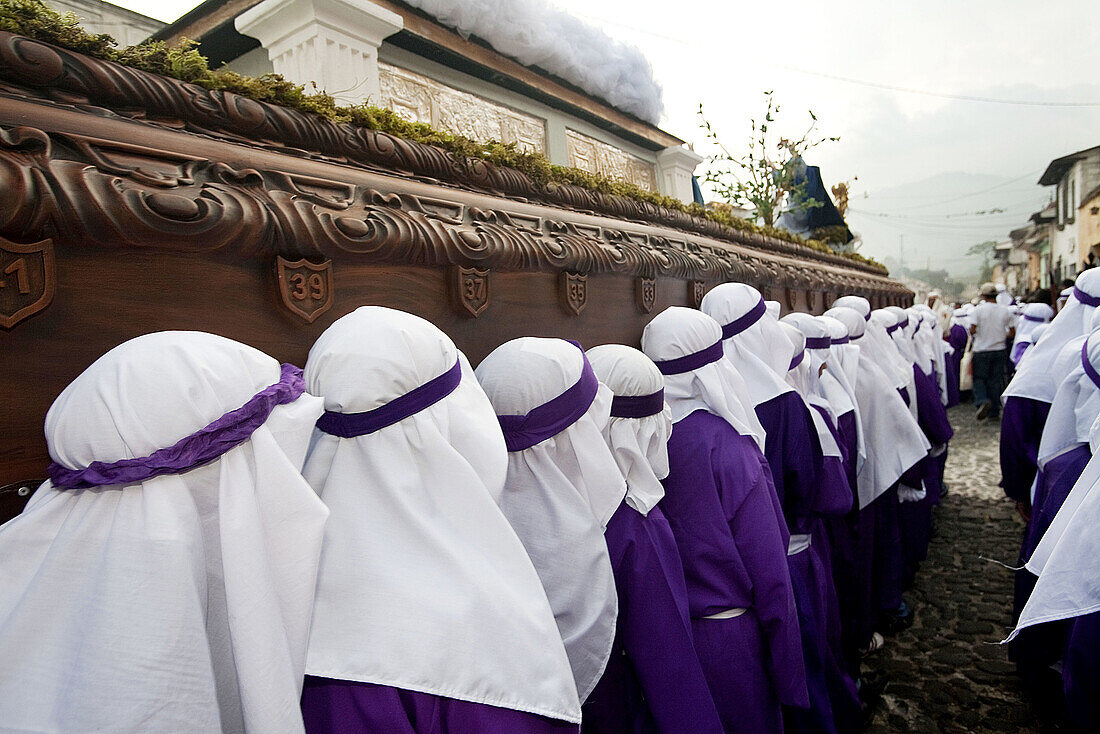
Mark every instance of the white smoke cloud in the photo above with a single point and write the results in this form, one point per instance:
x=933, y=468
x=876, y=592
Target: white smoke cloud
x=537, y=34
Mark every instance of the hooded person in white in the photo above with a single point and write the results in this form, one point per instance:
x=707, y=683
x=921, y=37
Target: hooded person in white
x=1033, y=316
x=894, y=441
x=187, y=588
x=843, y=370
x=563, y=486
x=880, y=330
x=809, y=376
x=928, y=340
x=403, y=596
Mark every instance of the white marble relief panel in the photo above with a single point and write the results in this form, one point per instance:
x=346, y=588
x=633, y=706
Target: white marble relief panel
x=418, y=98
x=596, y=156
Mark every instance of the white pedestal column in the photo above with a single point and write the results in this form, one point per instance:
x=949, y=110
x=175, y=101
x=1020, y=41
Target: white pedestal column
x=333, y=43
x=675, y=167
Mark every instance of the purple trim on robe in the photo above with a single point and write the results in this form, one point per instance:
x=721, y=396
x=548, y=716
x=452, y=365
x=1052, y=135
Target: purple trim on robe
x=731, y=536
x=654, y=681
x=1018, y=351
x=349, y=707
x=1022, y=423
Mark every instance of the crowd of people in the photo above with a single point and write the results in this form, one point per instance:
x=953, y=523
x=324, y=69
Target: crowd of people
x=706, y=535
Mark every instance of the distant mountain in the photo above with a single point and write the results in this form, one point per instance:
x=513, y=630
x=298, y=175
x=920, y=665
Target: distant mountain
x=932, y=222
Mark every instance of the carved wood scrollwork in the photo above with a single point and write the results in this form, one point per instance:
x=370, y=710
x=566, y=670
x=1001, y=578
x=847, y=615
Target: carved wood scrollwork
x=574, y=287
x=471, y=289
x=305, y=288
x=646, y=291
x=27, y=280
x=696, y=290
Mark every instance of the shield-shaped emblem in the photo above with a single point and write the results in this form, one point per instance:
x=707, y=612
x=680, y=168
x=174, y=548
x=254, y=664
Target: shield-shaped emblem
x=575, y=287
x=27, y=280
x=697, y=289
x=305, y=287
x=472, y=289
x=647, y=294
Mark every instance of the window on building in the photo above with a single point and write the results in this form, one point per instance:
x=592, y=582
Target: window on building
x=1060, y=203
x=1071, y=201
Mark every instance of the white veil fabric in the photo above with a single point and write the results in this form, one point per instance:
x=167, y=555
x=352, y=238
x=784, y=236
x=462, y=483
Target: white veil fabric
x=1075, y=405
x=404, y=598
x=928, y=340
x=893, y=440
x=560, y=494
x=640, y=444
x=805, y=376
x=751, y=339
x=186, y=596
x=1065, y=558
x=1034, y=315
x=716, y=386
x=902, y=336
x=1032, y=379
x=886, y=349
x=843, y=371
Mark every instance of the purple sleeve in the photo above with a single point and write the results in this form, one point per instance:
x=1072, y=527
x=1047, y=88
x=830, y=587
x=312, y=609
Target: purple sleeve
x=1021, y=428
x=655, y=625
x=757, y=528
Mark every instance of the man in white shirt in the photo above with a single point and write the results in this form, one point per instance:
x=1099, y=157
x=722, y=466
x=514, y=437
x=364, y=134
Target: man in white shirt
x=991, y=324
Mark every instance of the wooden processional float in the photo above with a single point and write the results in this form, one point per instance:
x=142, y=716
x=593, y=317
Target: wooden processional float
x=131, y=203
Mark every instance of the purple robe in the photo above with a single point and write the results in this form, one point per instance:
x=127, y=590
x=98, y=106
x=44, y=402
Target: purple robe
x=654, y=681
x=348, y=707
x=848, y=566
x=1081, y=672
x=931, y=415
x=1022, y=425
x=957, y=338
x=729, y=529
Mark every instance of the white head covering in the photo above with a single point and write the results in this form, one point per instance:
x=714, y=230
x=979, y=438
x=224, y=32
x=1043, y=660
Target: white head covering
x=885, y=350
x=1033, y=380
x=179, y=602
x=893, y=441
x=752, y=343
x=1034, y=316
x=403, y=596
x=903, y=335
x=640, y=444
x=560, y=494
x=715, y=386
x=961, y=316
x=859, y=304
x=805, y=375
x=1075, y=406
x=774, y=308
x=844, y=372
x=930, y=347
x=1065, y=558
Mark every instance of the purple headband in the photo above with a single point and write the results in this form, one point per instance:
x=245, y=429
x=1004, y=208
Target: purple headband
x=206, y=444
x=797, y=360
x=1085, y=298
x=638, y=406
x=551, y=418
x=1089, y=369
x=818, y=342
x=738, y=325
x=892, y=329
x=350, y=425
x=843, y=340
x=1039, y=319
x=692, y=361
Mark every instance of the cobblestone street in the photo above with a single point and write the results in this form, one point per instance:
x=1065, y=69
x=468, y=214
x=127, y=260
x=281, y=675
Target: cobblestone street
x=944, y=673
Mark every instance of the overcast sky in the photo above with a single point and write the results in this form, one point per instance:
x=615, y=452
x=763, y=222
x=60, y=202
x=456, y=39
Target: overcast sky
x=963, y=156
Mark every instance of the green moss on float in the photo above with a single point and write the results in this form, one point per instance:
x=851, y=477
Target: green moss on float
x=182, y=61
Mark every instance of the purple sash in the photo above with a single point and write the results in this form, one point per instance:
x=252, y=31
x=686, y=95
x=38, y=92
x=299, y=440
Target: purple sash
x=551, y=418
x=638, y=406
x=1039, y=319
x=818, y=342
x=1087, y=365
x=797, y=360
x=738, y=325
x=1085, y=298
x=692, y=361
x=350, y=425
x=842, y=340
x=206, y=444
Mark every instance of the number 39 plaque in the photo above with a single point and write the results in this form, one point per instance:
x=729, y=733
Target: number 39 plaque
x=305, y=287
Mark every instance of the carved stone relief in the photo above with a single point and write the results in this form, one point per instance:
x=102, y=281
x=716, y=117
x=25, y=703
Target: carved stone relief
x=596, y=156
x=418, y=98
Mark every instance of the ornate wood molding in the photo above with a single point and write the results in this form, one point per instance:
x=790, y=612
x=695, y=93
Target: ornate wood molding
x=197, y=196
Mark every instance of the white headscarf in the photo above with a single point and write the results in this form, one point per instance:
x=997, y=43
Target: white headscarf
x=804, y=376
x=176, y=603
x=1034, y=316
x=1075, y=405
x=859, y=304
x=844, y=370
x=1033, y=380
x=403, y=596
x=640, y=444
x=893, y=440
x=1065, y=558
x=928, y=340
x=773, y=307
x=560, y=494
x=886, y=349
x=903, y=335
x=715, y=387
x=756, y=347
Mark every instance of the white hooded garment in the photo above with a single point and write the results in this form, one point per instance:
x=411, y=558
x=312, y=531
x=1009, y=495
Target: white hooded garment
x=805, y=376
x=843, y=370
x=405, y=597
x=560, y=493
x=178, y=603
x=716, y=387
x=1032, y=379
x=893, y=440
x=1033, y=316
x=640, y=444
x=880, y=339
x=1065, y=559
x=1075, y=405
x=752, y=341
